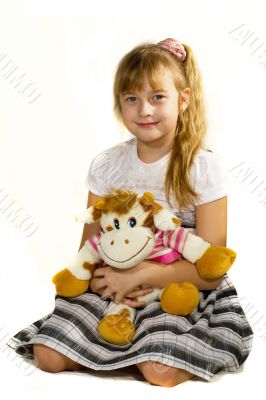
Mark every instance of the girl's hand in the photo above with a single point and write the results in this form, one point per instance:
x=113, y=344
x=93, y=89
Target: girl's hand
x=118, y=286
x=114, y=283
x=131, y=298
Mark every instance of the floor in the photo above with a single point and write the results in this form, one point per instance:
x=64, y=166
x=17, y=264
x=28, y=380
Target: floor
x=21, y=379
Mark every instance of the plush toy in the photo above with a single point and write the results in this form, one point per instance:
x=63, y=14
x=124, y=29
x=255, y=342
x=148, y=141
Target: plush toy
x=133, y=228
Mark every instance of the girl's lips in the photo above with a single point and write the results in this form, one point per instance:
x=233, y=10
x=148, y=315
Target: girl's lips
x=148, y=125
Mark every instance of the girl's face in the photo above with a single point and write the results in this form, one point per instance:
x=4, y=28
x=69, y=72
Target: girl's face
x=151, y=115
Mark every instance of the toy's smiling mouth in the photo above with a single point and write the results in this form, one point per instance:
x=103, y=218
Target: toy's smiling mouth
x=148, y=239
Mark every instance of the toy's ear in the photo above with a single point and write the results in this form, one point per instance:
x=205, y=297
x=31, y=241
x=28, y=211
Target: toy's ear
x=163, y=219
x=166, y=221
x=93, y=213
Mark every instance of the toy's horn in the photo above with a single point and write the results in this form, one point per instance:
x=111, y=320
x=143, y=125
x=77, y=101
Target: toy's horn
x=146, y=199
x=163, y=219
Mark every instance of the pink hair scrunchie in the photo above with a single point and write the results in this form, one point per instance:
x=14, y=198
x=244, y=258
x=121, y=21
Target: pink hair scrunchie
x=175, y=47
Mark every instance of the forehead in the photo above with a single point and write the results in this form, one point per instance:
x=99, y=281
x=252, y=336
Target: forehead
x=136, y=211
x=161, y=81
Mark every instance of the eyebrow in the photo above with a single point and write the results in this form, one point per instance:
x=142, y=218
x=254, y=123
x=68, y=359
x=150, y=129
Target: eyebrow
x=152, y=91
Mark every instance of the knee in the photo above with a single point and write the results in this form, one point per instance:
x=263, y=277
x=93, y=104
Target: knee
x=162, y=375
x=47, y=359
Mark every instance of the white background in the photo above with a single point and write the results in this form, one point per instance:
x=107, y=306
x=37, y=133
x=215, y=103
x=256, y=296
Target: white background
x=70, y=50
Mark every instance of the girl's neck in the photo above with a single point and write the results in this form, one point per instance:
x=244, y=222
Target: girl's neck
x=150, y=152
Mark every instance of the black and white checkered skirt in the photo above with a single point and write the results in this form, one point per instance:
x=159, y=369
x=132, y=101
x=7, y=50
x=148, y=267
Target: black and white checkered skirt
x=215, y=337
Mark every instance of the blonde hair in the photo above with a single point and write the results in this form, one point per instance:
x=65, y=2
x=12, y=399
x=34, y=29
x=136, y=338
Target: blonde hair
x=150, y=59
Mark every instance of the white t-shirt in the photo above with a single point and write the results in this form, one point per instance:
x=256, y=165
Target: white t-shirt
x=120, y=167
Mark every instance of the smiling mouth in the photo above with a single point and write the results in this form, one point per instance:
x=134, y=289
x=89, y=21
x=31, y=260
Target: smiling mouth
x=148, y=239
x=149, y=124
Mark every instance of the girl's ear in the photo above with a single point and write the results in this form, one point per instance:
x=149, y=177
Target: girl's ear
x=184, y=99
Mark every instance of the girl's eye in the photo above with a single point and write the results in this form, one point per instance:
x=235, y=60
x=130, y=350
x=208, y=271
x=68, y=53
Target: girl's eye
x=131, y=222
x=130, y=99
x=159, y=95
x=116, y=223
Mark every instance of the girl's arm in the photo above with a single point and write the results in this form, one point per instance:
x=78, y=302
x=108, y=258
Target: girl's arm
x=211, y=223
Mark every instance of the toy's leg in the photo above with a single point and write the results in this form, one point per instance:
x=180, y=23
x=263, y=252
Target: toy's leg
x=74, y=280
x=117, y=326
x=211, y=261
x=179, y=298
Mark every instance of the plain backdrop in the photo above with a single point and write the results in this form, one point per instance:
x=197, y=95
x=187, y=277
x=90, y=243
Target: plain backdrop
x=68, y=52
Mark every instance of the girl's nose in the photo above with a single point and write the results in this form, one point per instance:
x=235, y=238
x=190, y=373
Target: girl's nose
x=145, y=108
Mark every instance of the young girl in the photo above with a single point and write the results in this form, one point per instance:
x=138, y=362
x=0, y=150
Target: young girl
x=158, y=97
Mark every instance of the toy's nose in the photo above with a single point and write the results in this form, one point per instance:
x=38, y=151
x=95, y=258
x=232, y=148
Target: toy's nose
x=126, y=241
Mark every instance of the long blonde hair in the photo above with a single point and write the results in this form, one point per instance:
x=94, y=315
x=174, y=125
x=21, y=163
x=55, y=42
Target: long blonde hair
x=149, y=59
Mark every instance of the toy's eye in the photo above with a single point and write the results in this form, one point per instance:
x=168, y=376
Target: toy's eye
x=132, y=222
x=116, y=222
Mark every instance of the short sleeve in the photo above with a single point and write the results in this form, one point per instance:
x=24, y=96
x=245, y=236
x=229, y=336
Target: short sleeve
x=210, y=177
x=96, y=180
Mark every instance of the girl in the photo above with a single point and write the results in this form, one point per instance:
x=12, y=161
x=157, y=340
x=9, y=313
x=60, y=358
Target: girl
x=158, y=97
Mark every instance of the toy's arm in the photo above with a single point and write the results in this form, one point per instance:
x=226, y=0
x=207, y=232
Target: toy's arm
x=211, y=261
x=191, y=246
x=74, y=279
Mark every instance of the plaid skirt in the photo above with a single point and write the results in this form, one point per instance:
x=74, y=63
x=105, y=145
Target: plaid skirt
x=215, y=337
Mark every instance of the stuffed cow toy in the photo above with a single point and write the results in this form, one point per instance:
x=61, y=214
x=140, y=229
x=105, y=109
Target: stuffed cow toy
x=135, y=228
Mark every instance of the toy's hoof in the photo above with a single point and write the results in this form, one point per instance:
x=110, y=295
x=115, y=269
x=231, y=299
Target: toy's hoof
x=68, y=285
x=180, y=299
x=215, y=262
x=117, y=328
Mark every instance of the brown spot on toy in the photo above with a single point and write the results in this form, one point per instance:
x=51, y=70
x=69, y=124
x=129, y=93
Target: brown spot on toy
x=119, y=201
x=89, y=267
x=96, y=214
x=149, y=221
x=176, y=221
x=156, y=208
x=124, y=312
x=109, y=228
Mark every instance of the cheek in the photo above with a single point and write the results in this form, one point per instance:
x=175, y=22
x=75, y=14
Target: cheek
x=174, y=112
x=129, y=115
x=171, y=114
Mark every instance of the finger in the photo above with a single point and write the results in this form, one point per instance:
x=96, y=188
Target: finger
x=117, y=298
x=97, y=284
x=98, y=291
x=132, y=303
x=106, y=294
x=140, y=292
x=99, y=272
